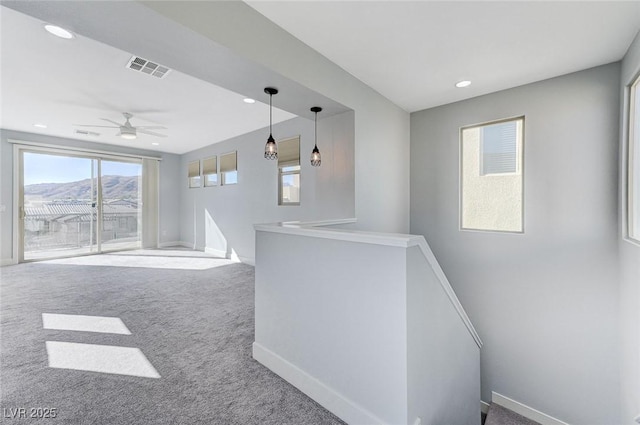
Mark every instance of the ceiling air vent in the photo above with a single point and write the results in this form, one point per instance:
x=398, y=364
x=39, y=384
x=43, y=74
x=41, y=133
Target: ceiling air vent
x=142, y=65
x=87, y=133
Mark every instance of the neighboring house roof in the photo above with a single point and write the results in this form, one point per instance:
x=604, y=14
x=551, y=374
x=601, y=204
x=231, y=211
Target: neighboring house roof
x=76, y=211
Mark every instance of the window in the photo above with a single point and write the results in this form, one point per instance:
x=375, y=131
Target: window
x=498, y=148
x=491, y=176
x=289, y=171
x=229, y=168
x=210, y=171
x=194, y=174
x=633, y=177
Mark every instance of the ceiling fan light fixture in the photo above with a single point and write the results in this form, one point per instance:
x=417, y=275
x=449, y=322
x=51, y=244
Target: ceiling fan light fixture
x=270, y=148
x=128, y=134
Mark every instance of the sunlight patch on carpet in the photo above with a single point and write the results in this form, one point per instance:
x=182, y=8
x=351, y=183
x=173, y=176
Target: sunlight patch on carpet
x=100, y=358
x=75, y=322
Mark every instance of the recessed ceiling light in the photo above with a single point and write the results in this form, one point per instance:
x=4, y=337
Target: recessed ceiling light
x=59, y=32
x=155, y=144
x=249, y=100
x=40, y=125
x=464, y=83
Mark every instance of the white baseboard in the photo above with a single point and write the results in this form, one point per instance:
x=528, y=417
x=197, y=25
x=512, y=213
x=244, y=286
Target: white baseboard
x=247, y=260
x=216, y=252
x=7, y=262
x=524, y=410
x=175, y=243
x=330, y=399
x=484, y=407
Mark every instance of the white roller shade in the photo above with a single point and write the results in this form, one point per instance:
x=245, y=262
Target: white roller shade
x=150, y=185
x=228, y=162
x=289, y=152
x=210, y=165
x=194, y=169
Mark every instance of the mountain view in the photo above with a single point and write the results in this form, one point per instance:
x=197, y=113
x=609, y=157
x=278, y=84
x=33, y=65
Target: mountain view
x=113, y=187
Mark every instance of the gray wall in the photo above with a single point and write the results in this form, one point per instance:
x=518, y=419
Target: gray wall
x=629, y=261
x=169, y=189
x=212, y=215
x=381, y=128
x=545, y=302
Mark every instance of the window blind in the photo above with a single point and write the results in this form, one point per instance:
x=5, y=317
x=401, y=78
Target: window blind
x=194, y=169
x=228, y=162
x=289, y=152
x=210, y=165
x=499, y=148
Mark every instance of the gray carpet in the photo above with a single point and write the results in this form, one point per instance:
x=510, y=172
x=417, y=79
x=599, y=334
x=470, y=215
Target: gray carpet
x=498, y=415
x=194, y=325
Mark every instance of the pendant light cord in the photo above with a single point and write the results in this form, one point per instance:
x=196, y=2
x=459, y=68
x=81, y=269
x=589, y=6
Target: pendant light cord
x=270, y=114
x=316, y=129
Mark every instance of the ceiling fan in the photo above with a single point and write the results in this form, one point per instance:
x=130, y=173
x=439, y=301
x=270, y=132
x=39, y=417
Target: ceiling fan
x=128, y=131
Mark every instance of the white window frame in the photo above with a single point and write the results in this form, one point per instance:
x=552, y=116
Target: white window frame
x=288, y=163
x=224, y=169
x=519, y=170
x=281, y=175
x=205, y=174
x=149, y=213
x=633, y=167
x=194, y=181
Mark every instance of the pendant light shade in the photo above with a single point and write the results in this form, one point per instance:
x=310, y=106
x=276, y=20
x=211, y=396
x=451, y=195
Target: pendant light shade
x=316, y=159
x=270, y=149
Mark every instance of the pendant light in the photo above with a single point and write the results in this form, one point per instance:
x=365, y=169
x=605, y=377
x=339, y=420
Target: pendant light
x=315, y=153
x=270, y=149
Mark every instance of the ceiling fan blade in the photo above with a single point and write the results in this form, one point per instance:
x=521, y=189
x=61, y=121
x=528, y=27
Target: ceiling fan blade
x=89, y=125
x=111, y=121
x=150, y=127
x=151, y=133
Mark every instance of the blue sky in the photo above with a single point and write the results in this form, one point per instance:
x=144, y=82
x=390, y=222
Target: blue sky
x=42, y=168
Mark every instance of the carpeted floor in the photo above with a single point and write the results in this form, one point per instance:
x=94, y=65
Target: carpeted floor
x=499, y=415
x=191, y=317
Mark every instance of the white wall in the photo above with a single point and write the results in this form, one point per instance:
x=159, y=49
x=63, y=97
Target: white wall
x=381, y=128
x=443, y=359
x=221, y=218
x=545, y=302
x=169, y=189
x=629, y=261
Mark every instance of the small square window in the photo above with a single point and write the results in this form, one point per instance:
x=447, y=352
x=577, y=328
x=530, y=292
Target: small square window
x=289, y=171
x=193, y=170
x=211, y=180
x=230, y=177
x=194, y=182
x=289, y=185
x=210, y=171
x=229, y=168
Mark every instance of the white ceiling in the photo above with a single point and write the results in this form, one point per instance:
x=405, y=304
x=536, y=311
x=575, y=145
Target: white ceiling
x=410, y=52
x=414, y=52
x=57, y=82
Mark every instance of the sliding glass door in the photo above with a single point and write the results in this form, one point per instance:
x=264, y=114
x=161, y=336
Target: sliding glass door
x=75, y=205
x=121, y=205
